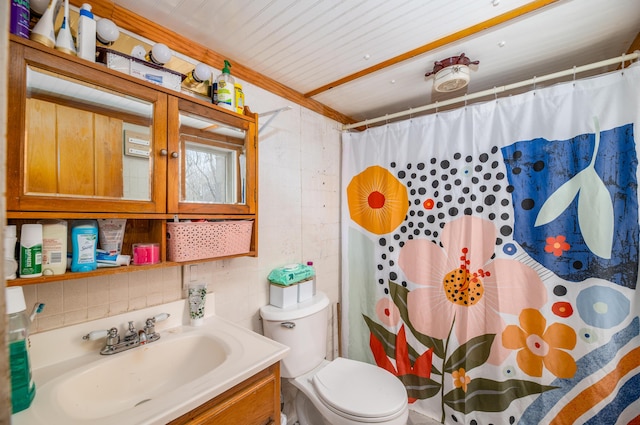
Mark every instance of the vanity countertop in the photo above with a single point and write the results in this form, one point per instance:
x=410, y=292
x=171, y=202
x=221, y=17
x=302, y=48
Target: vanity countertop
x=76, y=385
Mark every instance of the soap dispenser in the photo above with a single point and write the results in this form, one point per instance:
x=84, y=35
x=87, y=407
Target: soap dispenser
x=23, y=388
x=224, y=95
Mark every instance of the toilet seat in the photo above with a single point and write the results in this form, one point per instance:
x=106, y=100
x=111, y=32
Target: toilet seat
x=360, y=391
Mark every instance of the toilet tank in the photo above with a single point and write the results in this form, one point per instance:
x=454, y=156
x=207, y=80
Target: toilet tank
x=303, y=328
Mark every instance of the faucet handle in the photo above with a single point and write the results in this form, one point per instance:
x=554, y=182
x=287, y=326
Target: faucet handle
x=151, y=321
x=150, y=326
x=92, y=336
x=160, y=317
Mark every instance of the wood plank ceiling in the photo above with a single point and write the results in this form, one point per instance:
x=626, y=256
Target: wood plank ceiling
x=358, y=59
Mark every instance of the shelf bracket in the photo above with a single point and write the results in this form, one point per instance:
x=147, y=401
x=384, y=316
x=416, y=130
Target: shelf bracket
x=273, y=114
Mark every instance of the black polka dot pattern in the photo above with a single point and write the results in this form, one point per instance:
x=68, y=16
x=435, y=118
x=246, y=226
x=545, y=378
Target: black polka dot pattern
x=443, y=189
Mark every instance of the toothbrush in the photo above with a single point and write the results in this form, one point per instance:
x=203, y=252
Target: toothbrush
x=37, y=308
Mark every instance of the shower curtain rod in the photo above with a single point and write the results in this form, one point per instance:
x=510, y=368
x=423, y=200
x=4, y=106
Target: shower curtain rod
x=496, y=90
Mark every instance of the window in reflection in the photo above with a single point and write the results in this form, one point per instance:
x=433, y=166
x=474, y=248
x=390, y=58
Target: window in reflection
x=212, y=167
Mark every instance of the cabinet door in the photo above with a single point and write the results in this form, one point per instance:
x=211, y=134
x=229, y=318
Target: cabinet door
x=252, y=402
x=81, y=139
x=212, y=164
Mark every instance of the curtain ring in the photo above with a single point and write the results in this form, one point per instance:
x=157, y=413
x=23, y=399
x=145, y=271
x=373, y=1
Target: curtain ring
x=465, y=101
x=495, y=93
x=436, y=108
x=386, y=119
x=410, y=113
x=574, y=75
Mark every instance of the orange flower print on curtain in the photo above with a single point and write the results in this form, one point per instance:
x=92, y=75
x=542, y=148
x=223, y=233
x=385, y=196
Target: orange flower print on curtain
x=460, y=379
x=541, y=346
x=377, y=200
x=557, y=245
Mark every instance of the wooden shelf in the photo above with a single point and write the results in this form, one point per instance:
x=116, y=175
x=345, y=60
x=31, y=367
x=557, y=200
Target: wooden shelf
x=115, y=270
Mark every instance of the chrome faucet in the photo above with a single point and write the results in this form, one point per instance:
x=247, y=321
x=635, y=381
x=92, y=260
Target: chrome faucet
x=132, y=338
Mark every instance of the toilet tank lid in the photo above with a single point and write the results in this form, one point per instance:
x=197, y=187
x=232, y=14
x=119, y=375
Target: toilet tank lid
x=296, y=311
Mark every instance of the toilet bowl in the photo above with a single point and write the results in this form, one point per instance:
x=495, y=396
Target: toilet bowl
x=338, y=392
x=349, y=392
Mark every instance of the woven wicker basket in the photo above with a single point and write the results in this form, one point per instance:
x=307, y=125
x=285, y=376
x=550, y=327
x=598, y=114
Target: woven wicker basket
x=196, y=241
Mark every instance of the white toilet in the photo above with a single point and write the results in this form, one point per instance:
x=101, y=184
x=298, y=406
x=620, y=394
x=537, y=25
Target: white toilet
x=340, y=392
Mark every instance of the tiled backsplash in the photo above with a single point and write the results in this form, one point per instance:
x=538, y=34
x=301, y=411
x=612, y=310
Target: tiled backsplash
x=74, y=301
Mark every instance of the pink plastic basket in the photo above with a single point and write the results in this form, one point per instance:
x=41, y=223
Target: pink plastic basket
x=196, y=241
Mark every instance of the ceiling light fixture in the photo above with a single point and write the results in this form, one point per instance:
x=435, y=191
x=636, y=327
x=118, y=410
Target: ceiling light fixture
x=451, y=73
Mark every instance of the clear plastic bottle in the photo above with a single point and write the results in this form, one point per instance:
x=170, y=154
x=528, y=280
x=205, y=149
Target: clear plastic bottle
x=225, y=93
x=23, y=388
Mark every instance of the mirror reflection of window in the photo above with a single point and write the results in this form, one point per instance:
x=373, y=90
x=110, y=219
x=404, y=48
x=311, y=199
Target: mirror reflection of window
x=212, y=167
x=209, y=174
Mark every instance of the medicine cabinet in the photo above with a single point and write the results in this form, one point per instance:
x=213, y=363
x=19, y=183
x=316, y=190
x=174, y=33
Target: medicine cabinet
x=85, y=141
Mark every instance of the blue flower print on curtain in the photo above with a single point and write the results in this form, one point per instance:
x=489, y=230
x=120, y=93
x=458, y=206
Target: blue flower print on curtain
x=575, y=204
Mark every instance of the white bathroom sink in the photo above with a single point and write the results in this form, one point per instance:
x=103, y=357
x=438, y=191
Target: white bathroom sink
x=147, y=385
x=127, y=380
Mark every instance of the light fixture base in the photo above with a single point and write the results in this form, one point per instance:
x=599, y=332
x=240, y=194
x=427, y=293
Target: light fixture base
x=451, y=78
x=452, y=73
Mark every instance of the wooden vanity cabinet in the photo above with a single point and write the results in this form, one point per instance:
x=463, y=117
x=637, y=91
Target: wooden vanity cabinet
x=255, y=401
x=87, y=142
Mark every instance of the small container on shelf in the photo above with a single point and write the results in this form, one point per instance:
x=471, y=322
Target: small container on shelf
x=146, y=253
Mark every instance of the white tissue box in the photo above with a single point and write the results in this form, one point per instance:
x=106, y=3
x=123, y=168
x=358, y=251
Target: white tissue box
x=283, y=296
x=306, y=290
x=139, y=68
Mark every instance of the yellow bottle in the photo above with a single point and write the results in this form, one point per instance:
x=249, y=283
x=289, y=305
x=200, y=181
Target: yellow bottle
x=239, y=99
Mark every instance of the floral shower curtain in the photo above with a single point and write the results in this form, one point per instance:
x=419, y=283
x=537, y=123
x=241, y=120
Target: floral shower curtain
x=490, y=255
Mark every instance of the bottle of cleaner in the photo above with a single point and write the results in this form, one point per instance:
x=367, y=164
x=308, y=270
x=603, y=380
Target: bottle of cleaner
x=54, y=247
x=23, y=388
x=31, y=250
x=239, y=99
x=84, y=241
x=86, y=34
x=225, y=89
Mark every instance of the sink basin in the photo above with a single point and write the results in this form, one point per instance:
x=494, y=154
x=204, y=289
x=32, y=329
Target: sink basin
x=147, y=385
x=132, y=378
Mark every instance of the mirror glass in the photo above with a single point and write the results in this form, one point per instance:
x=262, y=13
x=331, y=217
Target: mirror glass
x=212, y=161
x=86, y=141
